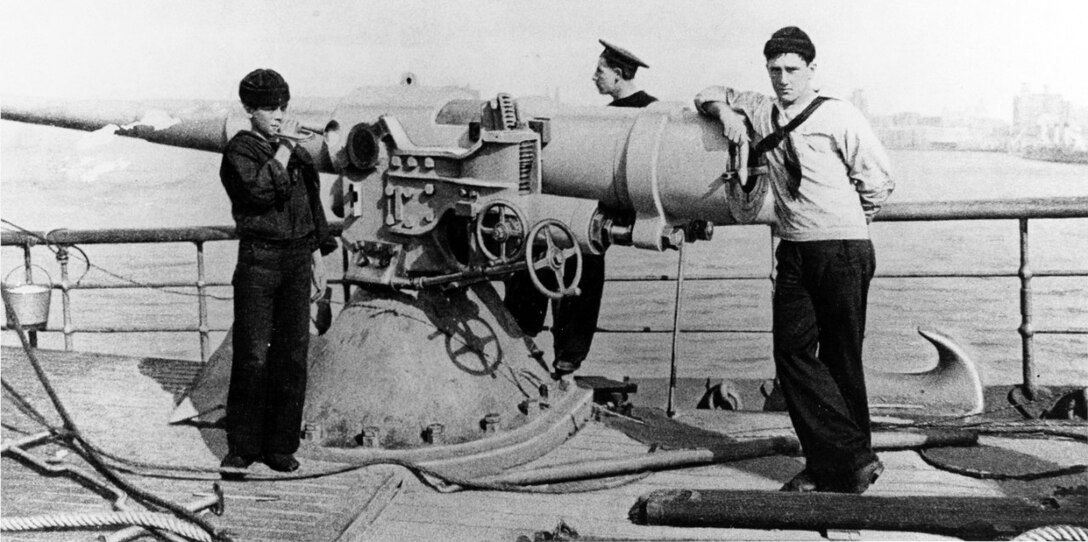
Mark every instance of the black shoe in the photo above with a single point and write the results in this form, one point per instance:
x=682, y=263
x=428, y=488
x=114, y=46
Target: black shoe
x=280, y=462
x=232, y=465
x=564, y=367
x=859, y=480
x=802, y=483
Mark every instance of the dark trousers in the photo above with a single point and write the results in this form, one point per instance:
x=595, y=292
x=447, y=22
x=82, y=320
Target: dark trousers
x=575, y=318
x=271, y=338
x=820, y=295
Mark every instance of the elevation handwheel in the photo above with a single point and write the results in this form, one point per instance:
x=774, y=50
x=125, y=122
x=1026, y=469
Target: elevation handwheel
x=550, y=245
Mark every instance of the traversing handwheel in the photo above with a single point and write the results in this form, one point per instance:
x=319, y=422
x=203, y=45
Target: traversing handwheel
x=550, y=245
x=500, y=232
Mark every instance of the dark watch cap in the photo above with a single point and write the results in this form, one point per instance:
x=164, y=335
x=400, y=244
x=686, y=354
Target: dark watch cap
x=790, y=40
x=264, y=88
x=621, y=57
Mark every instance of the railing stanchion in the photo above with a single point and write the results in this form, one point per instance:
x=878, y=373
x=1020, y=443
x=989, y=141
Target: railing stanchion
x=773, y=276
x=31, y=335
x=343, y=272
x=670, y=408
x=1026, y=330
x=202, y=296
x=65, y=289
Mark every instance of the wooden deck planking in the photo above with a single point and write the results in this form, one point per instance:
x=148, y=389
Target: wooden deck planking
x=907, y=473
x=130, y=420
x=505, y=516
x=405, y=531
x=392, y=504
x=418, y=510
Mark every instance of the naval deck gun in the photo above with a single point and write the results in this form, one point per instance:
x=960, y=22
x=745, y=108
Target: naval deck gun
x=440, y=188
x=440, y=192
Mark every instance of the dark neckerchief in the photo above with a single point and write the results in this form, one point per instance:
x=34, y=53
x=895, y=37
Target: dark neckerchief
x=638, y=99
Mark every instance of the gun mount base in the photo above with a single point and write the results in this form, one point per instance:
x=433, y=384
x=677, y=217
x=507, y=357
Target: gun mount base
x=402, y=374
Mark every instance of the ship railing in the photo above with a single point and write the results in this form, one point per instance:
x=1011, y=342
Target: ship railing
x=1021, y=210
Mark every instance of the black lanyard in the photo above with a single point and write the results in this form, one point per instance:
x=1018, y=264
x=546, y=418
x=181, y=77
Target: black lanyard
x=792, y=163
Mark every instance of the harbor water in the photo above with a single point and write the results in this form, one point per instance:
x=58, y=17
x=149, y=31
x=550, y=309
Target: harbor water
x=52, y=178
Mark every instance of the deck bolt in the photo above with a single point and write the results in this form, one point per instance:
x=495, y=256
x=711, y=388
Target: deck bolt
x=369, y=437
x=311, y=432
x=491, y=422
x=433, y=433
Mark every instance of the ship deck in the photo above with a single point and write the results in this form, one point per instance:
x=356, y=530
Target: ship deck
x=122, y=405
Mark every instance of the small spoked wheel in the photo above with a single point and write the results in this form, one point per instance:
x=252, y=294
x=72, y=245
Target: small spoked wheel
x=500, y=232
x=551, y=245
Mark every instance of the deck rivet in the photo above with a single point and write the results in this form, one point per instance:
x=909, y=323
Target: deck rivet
x=491, y=422
x=369, y=436
x=312, y=432
x=433, y=433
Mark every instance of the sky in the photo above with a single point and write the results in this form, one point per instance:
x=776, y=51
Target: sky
x=927, y=56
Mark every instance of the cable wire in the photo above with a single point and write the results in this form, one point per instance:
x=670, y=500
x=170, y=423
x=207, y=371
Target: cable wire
x=51, y=245
x=87, y=453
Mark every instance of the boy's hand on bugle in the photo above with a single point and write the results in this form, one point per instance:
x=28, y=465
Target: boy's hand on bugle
x=291, y=130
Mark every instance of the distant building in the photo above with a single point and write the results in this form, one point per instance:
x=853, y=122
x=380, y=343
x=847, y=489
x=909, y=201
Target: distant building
x=1045, y=126
x=954, y=132
x=1045, y=120
x=1029, y=107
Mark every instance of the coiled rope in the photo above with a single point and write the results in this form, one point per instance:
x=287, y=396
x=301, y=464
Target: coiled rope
x=78, y=444
x=105, y=519
x=1054, y=532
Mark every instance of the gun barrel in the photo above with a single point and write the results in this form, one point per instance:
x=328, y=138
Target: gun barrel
x=665, y=162
x=195, y=124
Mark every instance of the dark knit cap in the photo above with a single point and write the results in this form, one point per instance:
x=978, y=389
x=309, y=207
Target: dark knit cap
x=264, y=88
x=790, y=40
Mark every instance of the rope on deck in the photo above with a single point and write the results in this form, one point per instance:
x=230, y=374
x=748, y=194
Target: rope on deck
x=105, y=519
x=1055, y=532
x=76, y=442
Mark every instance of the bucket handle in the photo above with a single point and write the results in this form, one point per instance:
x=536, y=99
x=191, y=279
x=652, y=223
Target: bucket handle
x=47, y=275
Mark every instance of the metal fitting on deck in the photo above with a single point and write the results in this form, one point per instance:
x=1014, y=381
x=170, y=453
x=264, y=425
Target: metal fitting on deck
x=433, y=433
x=369, y=437
x=312, y=432
x=491, y=421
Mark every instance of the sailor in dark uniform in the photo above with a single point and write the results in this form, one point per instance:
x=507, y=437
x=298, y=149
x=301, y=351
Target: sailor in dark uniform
x=615, y=76
x=575, y=318
x=273, y=187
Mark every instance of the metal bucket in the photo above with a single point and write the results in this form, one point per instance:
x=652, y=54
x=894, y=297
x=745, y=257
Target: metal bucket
x=29, y=301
